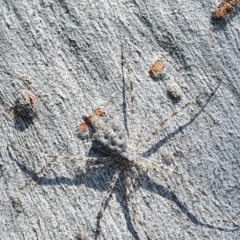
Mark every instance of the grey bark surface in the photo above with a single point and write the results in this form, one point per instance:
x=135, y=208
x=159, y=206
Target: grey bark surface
x=69, y=54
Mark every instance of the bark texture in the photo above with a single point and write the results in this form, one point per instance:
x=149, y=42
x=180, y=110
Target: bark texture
x=69, y=54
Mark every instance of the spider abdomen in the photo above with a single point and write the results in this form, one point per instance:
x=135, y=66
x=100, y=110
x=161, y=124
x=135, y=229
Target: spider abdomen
x=110, y=138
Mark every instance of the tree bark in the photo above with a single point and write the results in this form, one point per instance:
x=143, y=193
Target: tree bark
x=69, y=54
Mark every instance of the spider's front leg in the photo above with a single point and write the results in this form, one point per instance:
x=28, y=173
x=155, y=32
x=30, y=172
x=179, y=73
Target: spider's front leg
x=90, y=162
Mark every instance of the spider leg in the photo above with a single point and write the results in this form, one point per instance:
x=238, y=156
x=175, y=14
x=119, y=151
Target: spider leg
x=132, y=202
x=136, y=141
x=132, y=114
x=102, y=159
x=96, y=166
x=105, y=200
x=57, y=157
x=163, y=122
x=155, y=166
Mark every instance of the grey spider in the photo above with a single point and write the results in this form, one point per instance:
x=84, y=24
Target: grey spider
x=111, y=138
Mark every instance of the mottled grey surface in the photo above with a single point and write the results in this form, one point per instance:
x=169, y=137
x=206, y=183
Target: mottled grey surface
x=69, y=54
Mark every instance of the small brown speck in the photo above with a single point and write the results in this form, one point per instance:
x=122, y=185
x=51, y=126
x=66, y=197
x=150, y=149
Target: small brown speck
x=156, y=68
x=174, y=92
x=225, y=9
x=83, y=127
x=99, y=113
x=81, y=236
x=26, y=103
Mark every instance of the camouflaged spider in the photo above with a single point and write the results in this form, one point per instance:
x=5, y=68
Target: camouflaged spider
x=111, y=138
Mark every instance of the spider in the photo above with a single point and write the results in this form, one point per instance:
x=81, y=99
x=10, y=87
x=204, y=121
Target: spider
x=113, y=139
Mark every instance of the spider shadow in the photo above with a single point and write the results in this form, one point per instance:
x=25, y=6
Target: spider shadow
x=150, y=185
x=159, y=77
x=104, y=174
x=85, y=178
x=89, y=178
x=21, y=124
x=171, y=135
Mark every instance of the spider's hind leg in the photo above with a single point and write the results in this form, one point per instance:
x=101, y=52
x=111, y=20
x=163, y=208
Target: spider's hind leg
x=150, y=164
x=129, y=183
x=106, y=200
x=160, y=125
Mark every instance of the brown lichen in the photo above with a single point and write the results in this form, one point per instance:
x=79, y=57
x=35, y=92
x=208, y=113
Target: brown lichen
x=156, y=68
x=83, y=127
x=26, y=103
x=225, y=9
x=99, y=113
